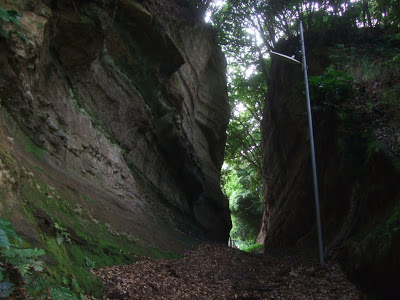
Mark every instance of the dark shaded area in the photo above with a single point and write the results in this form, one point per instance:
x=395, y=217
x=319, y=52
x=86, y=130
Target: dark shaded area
x=358, y=182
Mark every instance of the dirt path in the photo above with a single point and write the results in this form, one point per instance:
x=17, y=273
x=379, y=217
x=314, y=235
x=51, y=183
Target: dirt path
x=218, y=272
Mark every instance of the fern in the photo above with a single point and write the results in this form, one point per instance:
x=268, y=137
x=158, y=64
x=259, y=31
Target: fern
x=6, y=231
x=2, y=275
x=29, y=282
x=23, y=253
x=4, y=239
x=60, y=293
x=24, y=260
x=36, y=284
x=89, y=263
x=6, y=289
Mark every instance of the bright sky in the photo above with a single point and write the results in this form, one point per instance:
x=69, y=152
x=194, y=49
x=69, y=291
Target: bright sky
x=217, y=3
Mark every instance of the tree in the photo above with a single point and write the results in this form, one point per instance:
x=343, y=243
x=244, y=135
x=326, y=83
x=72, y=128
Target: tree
x=243, y=157
x=245, y=203
x=242, y=174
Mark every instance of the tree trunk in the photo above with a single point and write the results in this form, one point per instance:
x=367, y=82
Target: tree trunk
x=367, y=12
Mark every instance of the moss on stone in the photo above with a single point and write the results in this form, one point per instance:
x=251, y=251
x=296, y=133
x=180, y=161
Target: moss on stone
x=92, y=244
x=37, y=151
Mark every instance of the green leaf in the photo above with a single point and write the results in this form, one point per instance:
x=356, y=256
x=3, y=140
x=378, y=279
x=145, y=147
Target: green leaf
x=6, y=289
x=4, y=239
x=13, y=14
x=59, y=239
x=23, y=259
x=60, y=293
x=9, y=16
x=36, y=265
x=59, y=227
x=3, y=15
x=8, y=229
x=23, y=269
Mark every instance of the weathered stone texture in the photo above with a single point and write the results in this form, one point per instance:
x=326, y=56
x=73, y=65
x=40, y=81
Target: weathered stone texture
x=130, y=110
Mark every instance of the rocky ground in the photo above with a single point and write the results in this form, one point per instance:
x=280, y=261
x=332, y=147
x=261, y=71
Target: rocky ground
x=218, y=272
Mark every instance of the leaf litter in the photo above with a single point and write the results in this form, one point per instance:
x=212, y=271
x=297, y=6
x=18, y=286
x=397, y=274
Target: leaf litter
x=214, y=271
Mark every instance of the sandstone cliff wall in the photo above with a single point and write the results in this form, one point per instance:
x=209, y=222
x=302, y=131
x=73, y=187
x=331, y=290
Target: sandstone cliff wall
x=121, y=111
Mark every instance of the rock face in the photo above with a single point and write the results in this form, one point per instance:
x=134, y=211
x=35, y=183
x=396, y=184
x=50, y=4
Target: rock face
x=124, y=106
x=359, y=191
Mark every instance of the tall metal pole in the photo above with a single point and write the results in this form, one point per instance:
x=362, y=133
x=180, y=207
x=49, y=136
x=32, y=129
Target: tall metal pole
x=314, y=166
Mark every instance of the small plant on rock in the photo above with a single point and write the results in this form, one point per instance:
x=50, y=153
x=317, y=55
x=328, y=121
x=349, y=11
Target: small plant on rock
x=10, y=16
x=22, y=272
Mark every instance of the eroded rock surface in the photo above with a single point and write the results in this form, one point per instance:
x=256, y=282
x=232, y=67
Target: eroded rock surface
x=125, y=107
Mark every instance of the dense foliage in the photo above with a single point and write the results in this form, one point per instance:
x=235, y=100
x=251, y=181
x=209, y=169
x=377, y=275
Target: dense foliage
x=242, y=173
x=245, y=202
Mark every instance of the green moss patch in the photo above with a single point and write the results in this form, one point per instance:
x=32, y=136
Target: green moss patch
x=31, y=147
x=75, y=242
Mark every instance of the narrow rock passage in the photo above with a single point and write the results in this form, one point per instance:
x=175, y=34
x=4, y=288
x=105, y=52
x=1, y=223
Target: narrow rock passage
x=218, y=272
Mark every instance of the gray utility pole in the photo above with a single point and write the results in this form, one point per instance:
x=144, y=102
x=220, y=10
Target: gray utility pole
x=310, y=126
x=314, y=164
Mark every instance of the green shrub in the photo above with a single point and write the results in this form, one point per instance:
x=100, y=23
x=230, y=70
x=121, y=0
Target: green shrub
x=390, y=99
x=331, y=88
x=245, y=203
x=375, y=69
x=252, y=248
